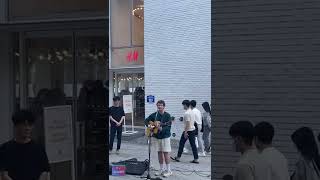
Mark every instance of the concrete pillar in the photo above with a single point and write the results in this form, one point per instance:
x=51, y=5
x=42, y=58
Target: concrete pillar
x=111, y=94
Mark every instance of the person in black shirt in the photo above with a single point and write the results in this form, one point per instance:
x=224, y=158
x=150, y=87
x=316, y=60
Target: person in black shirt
x=22, y=158
x=116, y=117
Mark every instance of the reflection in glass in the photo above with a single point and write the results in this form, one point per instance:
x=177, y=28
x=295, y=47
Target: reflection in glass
x=50, y=73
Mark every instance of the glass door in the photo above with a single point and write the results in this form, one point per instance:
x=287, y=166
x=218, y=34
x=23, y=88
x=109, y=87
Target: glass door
x=92, y=103
x=49, y=69
x=131, y=84
x=69, y=68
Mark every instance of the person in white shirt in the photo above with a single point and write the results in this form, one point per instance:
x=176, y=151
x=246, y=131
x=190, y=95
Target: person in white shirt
x=250, y=166
x=198, y=121
x=188, y=133
x=264, y=133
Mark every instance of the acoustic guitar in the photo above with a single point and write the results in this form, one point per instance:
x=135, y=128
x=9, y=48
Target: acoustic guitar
x=153, y=129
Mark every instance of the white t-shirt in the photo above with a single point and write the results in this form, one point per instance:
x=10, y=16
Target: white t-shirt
x=277, y=162
x=252, y=167
x=198, y=115
x=189, y=116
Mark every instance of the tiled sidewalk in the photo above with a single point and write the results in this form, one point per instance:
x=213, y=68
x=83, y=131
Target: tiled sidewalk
x=183, y=170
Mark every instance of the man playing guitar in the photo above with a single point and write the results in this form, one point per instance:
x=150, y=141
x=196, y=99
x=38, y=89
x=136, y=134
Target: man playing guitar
x=161, y=121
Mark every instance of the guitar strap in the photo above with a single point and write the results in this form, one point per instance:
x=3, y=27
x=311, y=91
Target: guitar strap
x=161, y=118
x=155, y=119
x=161, y=121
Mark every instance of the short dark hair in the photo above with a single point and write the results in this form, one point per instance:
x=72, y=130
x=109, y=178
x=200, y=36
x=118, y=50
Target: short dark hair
x=186, y=102
x=193, y=103
x=161, y=102
x=264, y=131
x=22, y=116
x=116, y=98
x=243, y=129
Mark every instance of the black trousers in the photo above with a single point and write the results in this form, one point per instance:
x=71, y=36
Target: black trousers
x=115, y=130
x=192, y=140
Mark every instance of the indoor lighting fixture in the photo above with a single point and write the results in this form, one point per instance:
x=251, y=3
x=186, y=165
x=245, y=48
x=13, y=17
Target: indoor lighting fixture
x=138, y=11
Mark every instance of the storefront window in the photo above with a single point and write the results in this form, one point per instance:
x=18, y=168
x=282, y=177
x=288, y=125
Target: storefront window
x=120, y=32
x=49, y=83
x=92, y=98
x=56, y=77
x=137, y=23
x=50, y=65
x=92, y=59
x=132, y=84
x=127, y=54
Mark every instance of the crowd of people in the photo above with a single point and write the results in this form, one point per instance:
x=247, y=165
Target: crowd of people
x=260, y=160
x=197, y=128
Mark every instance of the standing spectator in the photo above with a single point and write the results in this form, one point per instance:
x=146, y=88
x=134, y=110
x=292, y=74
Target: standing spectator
x=264, y=133
x=308, y=166
x=116, y=117
x=206, y=118
x=198, y=121
x=22, y=158
x=250, y=166
x=188, y=133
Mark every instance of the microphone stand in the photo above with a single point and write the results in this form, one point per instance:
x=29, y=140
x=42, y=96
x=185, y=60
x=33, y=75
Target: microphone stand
x=149, y=149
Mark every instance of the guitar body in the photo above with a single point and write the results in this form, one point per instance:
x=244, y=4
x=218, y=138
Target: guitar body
x=152, y=128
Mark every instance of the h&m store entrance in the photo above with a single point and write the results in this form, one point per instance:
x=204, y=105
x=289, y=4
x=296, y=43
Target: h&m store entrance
x=126, y=67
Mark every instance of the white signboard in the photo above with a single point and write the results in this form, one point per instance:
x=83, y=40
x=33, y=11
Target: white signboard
x=127, y=104
x=58, y=133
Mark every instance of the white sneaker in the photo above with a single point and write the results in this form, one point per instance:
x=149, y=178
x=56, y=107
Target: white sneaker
x=159, y=173
x=167, y=173
x=203, y=154
x=185, y=150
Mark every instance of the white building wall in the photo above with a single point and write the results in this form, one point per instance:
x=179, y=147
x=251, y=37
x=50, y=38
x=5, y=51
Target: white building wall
x=177, y=54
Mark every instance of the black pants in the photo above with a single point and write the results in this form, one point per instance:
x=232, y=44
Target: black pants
x=114, y=130
x=192, y=140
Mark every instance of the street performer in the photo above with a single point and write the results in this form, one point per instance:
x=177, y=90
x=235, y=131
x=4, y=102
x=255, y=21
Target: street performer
x=162, y=122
